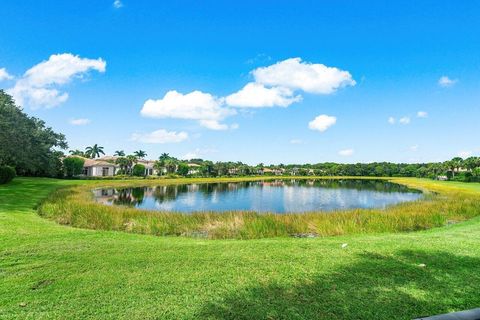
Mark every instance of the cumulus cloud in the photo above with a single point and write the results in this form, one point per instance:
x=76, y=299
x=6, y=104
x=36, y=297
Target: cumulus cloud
x=276, y=85
x=391, y=120
x=117, y=4
x=4, y=75
x=422, y=114
x=160, y=136
x=446, y=82
x=80, y=122
x=207, y=109
x=404, y=120
x=309, y=77
x=38, y=86
x=322, y=123
x=256, y=95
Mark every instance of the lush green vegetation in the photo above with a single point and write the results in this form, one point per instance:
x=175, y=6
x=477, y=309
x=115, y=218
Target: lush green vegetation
x=7, y=174
x=73, y=166
x=74, y=206
x=26, y=143
x=52, y=271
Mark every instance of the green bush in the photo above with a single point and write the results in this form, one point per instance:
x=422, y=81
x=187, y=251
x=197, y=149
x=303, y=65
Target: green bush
x=73, y=166
x=138, y=170
x=6, y=174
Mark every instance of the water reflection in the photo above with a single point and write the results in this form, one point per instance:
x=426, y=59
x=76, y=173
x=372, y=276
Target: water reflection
x=275, y=195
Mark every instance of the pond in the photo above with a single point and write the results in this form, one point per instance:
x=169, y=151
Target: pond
x=278, y=196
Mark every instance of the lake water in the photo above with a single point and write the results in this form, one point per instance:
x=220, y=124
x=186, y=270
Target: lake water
x=279, y=196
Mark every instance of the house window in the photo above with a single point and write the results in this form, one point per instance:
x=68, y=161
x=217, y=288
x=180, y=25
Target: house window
x=85, y=171
x=105, y=171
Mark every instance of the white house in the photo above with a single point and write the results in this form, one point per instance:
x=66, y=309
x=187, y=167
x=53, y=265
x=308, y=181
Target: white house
x=98, y=168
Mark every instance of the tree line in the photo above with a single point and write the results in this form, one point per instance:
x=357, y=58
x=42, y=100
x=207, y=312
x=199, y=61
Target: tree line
x=31, y=148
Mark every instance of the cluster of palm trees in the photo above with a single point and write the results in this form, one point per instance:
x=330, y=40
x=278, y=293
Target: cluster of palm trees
x=92, y=152
x=127, y=163
x=456, y=168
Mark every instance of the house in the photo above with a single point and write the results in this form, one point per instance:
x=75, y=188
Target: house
x=149, y=167
x=98, y=168
x=148, y=164
x=193, y=168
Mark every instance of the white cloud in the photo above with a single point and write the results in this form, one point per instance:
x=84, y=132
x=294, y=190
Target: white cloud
x=117, y=4
x=256, y=95
x=274, y=86
x=297, y=141
x=346, y=152
x=322, y=122
x=465, y=154
x=414, y=148
x=196, y=105
x=297, y=75
x=160, y=136
x=391, y=120
x=37, y=87
x=4, y=75
x=422, y=114
x=198, y=153
x=404, y=120
x=446, y=82
x=80, y=122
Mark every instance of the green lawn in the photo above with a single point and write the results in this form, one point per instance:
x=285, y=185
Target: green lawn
x=52, y=271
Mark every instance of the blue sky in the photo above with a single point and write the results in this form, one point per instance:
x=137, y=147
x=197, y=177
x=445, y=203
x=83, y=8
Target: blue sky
x=391, y=59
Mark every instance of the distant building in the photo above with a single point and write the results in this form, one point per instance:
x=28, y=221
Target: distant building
x=98, y=168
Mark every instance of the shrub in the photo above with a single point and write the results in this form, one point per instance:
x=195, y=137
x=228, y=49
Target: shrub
x=73, y=166
x=6, y=174
x=138, y=170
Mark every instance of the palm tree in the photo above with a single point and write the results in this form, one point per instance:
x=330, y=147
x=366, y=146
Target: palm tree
x=119, y=153
x=123, y=163
x=131, y=161
x=94, y=151
x=171, y=165
x=77, y=152
x=164, y=156
x=140, y=154
x=472, y=163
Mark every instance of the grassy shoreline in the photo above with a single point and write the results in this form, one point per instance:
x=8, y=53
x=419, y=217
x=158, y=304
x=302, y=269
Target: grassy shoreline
x=443, y=205
x=50, y=271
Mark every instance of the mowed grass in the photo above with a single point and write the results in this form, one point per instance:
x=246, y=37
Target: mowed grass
x=50, y=271
x=443, y=204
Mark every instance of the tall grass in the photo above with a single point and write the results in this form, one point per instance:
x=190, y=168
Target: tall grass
x=443, y=204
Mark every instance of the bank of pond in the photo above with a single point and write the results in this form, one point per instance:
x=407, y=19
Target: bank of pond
x=242, y=208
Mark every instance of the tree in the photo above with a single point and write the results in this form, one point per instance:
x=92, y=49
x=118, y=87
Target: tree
x=119, y=153
x=138, y=170
x=183, y=169
x=140, y=154
x=171, y=165
x=26, y=143
x=94, y=151
x=164, y=156
x=123, y=163
x=131, y=161
x=472, y=162
x=73, y=166
x=77, y=152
